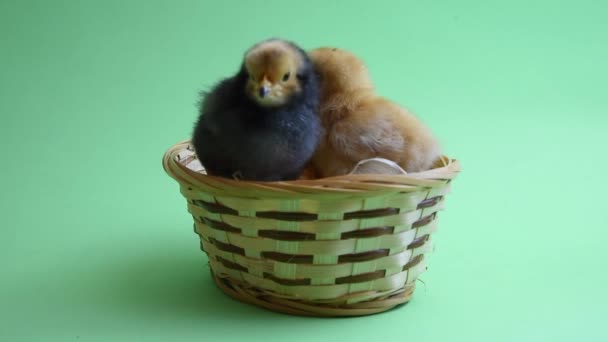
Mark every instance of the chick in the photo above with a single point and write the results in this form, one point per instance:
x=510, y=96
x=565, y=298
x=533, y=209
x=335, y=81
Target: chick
x=261, y=124
x=360, y=125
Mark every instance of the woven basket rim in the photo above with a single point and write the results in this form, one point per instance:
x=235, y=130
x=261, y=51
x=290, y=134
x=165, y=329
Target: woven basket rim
x=359, y=184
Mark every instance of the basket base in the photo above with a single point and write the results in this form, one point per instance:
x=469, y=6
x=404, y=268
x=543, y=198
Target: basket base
x=249, y=295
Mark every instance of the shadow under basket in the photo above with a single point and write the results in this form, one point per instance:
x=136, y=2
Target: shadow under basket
x=341, y=246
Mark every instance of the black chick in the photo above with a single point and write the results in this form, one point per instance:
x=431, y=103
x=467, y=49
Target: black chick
x=261, y=124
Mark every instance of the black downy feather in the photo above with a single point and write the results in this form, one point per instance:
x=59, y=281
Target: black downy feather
x=235, y=137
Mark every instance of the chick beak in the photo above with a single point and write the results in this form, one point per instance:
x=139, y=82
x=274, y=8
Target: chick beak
x=264, y=90
x=264, y=87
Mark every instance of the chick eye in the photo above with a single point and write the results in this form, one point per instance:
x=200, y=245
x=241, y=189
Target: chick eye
x=286, y=77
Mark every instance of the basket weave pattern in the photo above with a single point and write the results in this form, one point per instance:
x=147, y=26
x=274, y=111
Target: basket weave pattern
x=341, y=246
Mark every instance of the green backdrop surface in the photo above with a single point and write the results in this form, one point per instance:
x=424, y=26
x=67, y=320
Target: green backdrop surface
x=95, y=240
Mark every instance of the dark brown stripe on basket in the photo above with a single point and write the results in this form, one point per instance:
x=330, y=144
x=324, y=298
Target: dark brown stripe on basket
x=231, y=265
x=413, y=262
x=288, y=258
x=361, y=278
x=367, y=233
x=365, y=256
x=285, y=216
x=418, y=242
x=424, y=221
x=289, y=282
x=286, y=236
x=226, y=247
x=220, y=225
x=371, y=213
x=215, y=208
x=429, y=202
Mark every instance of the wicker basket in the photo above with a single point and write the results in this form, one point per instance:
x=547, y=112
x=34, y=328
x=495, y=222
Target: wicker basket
x=341, y=246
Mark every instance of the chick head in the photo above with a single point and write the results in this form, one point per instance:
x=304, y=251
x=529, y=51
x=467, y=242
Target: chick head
x=273, y=67
x=340, y=71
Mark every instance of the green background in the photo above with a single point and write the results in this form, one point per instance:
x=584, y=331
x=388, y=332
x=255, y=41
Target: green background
x=95, y=240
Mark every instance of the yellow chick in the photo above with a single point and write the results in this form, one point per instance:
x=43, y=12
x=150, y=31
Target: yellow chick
x=360, y=125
